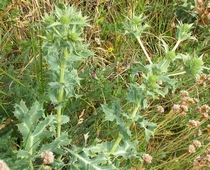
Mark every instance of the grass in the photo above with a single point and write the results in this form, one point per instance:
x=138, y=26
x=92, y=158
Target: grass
x=23, y=75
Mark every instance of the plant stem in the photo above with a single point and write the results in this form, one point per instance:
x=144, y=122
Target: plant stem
x=145, y=52
x=116, y=143
x=120, y=136
x=176, y=45
x=31, y=164
x=61, y=90
x=176, y=73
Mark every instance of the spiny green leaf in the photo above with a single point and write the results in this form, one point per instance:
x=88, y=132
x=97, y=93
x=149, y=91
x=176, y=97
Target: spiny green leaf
x=20, y=110
x=127, y=149
x=56, y=144
x=110, y=116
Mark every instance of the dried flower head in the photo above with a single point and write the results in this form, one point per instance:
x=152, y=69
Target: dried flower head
x=176, y=108
x=184, y=108
x=200, y=3
x=208, y=151
x=198, y=109
x=207, y=158
x=184, y=93
x=191, y=100
x=160, y=109
x=194, y=123
x=48, y=157
x=185, y=99
x=205, y=108
x=197, y=143
x=199, y=133
x=205, y=115
x=196, y=164
x=3, y=165
x=183, y=114
x=147, y=158
x=203, y=76
x=199, y=81
x=191, y=149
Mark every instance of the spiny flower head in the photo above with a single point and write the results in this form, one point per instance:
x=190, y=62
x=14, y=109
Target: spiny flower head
x=194, y=66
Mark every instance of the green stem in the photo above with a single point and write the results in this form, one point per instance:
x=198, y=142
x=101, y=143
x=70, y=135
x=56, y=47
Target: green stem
x=176, y=73
x=176, y=45
x=129, y=123
x=31, y=164
x=61, y=91
x=145, y=52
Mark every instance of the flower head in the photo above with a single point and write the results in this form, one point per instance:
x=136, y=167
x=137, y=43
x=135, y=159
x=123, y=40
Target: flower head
x=3, y=165
x=176, y=108
x=160, y=109
x=191, y=149
x=194, y=123
x=197, y=143
x=48, y=157
x=184, y=93
x=147, y=158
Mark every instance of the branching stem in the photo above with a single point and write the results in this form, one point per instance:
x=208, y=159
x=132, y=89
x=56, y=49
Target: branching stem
x=145, y=52
x=129, y=123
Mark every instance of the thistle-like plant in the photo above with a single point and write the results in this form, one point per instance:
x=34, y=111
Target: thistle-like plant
x=158, y=79
x=62, y=47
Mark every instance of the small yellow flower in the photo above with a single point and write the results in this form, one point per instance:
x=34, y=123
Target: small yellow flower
x=110, y=49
